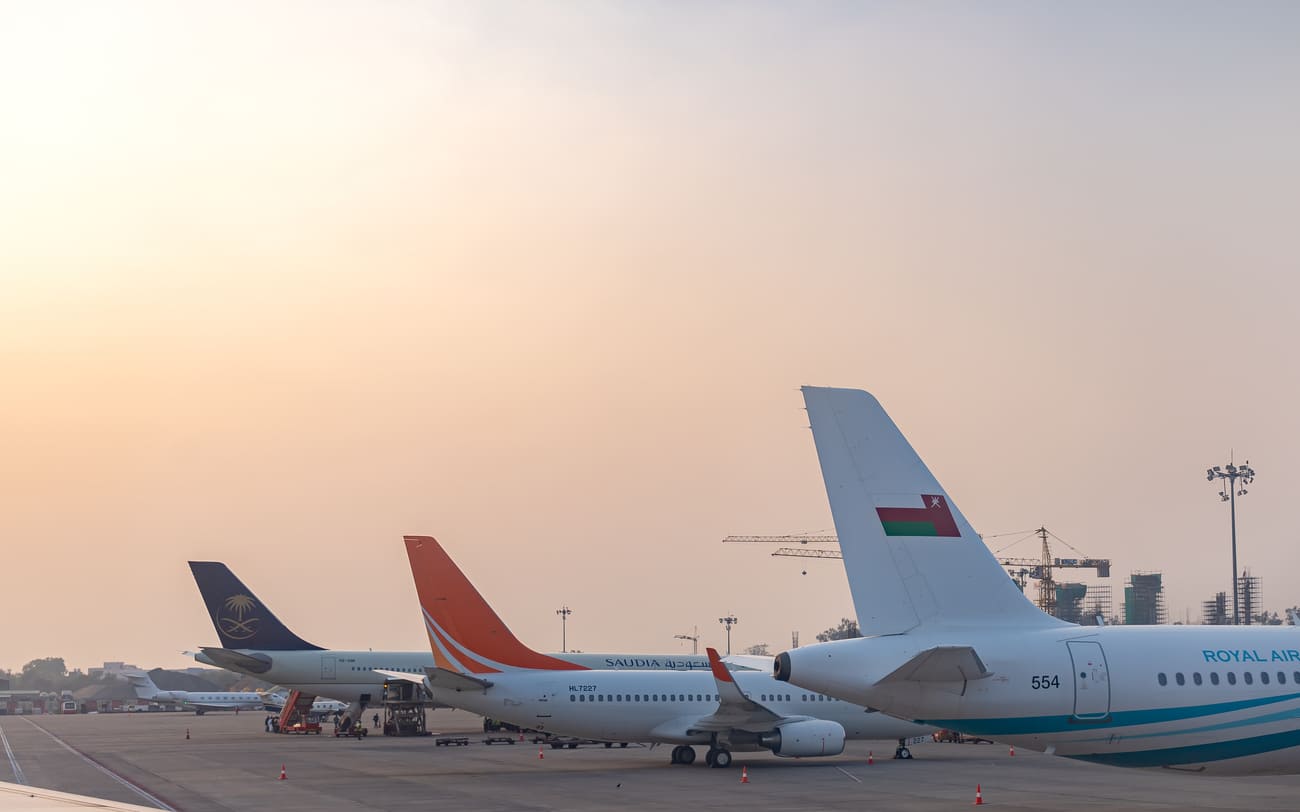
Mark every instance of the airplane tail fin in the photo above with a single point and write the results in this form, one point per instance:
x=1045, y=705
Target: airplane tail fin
x=911, y=558
x=142, y=684
x=465, y=633
x=242, y=621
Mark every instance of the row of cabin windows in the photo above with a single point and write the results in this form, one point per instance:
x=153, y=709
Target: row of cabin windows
x=404, y=670
x=643, y=697
x=685, y=698
x=1246, y=677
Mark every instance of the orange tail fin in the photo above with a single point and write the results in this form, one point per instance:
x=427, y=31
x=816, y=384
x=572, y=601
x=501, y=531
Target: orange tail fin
x=465, y=633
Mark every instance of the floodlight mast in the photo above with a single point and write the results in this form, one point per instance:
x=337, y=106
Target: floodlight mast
x=564, y=612
x=728, y=621
x=1228, y=492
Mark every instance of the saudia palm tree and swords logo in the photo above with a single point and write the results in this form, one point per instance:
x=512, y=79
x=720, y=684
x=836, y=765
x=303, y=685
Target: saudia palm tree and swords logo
x=239, y=627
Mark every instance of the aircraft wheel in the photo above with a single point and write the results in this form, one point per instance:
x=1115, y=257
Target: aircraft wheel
x=608, y=745
x=676, y=757
x=710, y=756
x=622, y=744
x=903, y=753
x=722, y=760
x=688, y=754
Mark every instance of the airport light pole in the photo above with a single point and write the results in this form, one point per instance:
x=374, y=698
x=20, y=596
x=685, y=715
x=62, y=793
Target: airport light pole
x=564, y=612
x=1228, y=492
x=728, y=621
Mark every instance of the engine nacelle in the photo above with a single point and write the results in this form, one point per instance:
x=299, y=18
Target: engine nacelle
x=812, y=737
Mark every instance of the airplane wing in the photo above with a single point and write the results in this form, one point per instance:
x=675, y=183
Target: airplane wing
x=735, y=710
x=440, y=677
x=940, y=664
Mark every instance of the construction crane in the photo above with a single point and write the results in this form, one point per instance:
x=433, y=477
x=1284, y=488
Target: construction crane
x=1020, y=569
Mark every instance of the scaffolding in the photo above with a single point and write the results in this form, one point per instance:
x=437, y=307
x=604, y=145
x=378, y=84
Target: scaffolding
x=1250, y=598
x=1097, y=603
x=1214, y=612
x=1144, y=600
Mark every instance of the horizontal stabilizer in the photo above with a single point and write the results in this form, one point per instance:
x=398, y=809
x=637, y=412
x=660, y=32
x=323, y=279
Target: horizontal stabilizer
x=443, y=678
x=237, y=660
x=941, y=664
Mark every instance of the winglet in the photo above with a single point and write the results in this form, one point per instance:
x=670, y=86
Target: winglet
x=718, y=667
x=466, y=635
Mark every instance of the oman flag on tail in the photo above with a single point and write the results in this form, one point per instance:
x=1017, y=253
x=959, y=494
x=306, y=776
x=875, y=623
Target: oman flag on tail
x=933, y=519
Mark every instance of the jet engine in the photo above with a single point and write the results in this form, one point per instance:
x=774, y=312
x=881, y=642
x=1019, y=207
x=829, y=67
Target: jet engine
x=812, y=737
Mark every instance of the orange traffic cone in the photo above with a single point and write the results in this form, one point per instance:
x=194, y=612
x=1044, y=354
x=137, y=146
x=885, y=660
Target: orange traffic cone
x=283, y=776
x=979, y=797
x=187, y=733
x=1013, y=749
x=540, y=754
x=871, y=758
x=744, y=775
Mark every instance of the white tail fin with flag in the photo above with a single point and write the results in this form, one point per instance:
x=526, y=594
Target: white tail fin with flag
x=911, y=558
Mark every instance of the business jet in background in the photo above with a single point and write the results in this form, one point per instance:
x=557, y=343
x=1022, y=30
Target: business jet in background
x=198, y=701
x=951, y=642
x=482, y=667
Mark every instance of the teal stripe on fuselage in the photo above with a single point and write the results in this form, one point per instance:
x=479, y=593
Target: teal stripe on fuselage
x=1032, y=725
x=1269, y=718
x=1198, y=753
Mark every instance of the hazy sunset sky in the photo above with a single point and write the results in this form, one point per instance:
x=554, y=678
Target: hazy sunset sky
x=280, y=282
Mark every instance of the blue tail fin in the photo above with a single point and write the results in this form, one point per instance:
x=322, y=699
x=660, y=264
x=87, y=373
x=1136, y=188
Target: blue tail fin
x=242, y=620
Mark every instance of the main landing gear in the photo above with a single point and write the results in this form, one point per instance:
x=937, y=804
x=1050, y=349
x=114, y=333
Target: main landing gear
x=683, y=754
x=902, y=751
x=717, y=757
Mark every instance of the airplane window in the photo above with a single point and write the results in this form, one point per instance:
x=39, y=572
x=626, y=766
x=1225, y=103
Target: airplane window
x=1178, y=678
x=600, y=697
x=1162, y=679
x=673, y=698
x=573, y=698
x=656, y=699
x=1196, y=677
x=1281, y=678
x=1248, y=677
x=1232, y=677
x=618, y=697
x=1263, y=677
x=1214, y=677
x=637, y=698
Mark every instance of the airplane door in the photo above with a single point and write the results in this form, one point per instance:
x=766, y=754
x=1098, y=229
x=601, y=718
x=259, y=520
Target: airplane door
x=1091, y=681
x=327, y=667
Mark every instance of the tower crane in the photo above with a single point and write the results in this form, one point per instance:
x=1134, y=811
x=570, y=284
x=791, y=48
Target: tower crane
x=1020, y=569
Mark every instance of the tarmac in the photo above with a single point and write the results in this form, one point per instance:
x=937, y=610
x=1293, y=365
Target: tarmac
x=229, y=762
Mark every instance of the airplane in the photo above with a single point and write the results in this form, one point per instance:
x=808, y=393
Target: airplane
x=273, y=700
x=199, y=701
x=951, y=641
x=254, y=642
x=482, y=667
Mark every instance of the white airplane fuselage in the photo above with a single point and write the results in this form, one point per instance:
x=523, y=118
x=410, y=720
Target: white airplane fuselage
x=660, y=706
x=1220, y=698
x=350, y=676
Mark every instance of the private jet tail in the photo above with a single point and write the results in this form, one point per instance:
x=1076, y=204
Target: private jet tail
x=467, y=637
x=242, y=620
x=142, y=683
x=912, y=559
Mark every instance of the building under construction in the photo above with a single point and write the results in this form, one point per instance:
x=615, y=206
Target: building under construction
x=1144, y=600
x=1249, y=598
x=1214, y=612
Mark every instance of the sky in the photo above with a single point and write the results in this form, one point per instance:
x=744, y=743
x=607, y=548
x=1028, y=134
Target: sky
x=280, y=283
